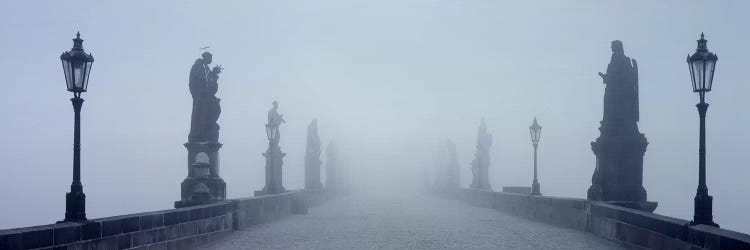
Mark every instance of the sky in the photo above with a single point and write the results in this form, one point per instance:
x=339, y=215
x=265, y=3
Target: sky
x=387, y=80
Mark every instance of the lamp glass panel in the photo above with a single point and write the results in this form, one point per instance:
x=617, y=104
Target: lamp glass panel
x=531, y=134
x=66, y=70
x=692, y=74
x=535, y=132
x=86, y=73
x=78, y=71
x=710, y=65
x=698, y=73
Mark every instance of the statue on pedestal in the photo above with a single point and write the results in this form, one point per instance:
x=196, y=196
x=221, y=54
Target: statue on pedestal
x=203, y=183
x=481, y=163
x=619, y=150
x=274, y=156
x=312, y=157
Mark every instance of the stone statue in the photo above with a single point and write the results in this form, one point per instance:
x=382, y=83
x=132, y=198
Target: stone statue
x=312, y=157
x=274, y=156
x=274, y=121
x=480, y=164
x=621, y=90
x=206, y=109
x=619, y=150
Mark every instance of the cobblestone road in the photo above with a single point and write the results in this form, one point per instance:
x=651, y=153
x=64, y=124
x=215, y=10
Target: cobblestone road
x=407, y=222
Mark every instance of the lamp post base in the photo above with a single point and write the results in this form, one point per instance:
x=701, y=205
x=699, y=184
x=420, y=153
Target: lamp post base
x=75, y=206
x=703, y=210
x=535, y=189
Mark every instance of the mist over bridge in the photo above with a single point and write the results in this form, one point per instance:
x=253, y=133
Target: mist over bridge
x=437, y=209
x=616, y=213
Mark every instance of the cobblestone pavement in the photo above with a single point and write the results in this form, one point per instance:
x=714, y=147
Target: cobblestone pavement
x=387, y=221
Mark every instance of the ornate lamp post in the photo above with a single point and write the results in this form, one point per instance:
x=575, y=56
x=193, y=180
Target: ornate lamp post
x=536, y=132
x=702, y=64
x=77, y=66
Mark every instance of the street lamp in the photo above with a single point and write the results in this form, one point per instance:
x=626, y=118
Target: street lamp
x=77, y=66
x=702, y=64
x=536, y=132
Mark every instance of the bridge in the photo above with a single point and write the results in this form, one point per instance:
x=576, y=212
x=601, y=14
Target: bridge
x=437, y=210
x=441, y=214
x=423, y=219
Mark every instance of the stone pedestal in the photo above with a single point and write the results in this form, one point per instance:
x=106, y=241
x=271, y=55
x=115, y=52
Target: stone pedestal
x=535, y=189
x=312, y=174
x=203, y=184
x=484, y=177
x=618, y=177
x=274, y=162
x=481, y=177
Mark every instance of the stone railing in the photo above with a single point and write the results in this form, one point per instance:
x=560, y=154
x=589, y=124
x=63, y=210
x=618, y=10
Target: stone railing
x=181, y=228
x=629, y=226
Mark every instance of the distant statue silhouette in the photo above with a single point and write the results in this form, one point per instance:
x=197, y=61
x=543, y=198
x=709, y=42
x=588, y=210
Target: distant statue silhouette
x=206, y=109
x=312, y=157
x=480, y=164
x=274, y=121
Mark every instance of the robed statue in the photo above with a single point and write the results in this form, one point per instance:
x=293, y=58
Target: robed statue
x=206, y=109
x=621, y=90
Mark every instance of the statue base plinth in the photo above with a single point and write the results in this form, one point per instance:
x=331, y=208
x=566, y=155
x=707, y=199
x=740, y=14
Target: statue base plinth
x=199, y=191
x=274, y=163
x=203, y=184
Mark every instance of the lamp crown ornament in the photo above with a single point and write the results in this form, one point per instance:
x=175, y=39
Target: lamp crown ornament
x=702, y=44
x=78, y=42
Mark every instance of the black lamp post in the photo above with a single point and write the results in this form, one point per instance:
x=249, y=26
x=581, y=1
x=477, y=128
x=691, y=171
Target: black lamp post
x=702, y=64
x=536, y=132
x=77, y=66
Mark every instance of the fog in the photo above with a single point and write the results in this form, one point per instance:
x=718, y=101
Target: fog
x=387, y=81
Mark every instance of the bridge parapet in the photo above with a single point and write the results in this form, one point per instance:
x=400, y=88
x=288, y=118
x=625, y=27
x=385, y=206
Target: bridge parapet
x=630, y=226
x=181, y=228
x=176, y=228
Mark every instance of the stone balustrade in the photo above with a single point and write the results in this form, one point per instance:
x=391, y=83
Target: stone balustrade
x=631, y=227
x=181, y=228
